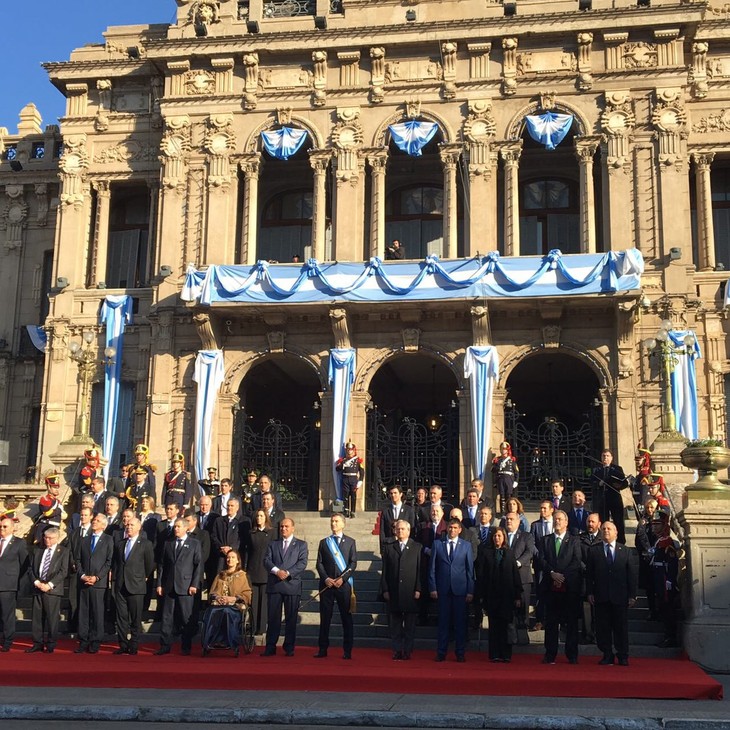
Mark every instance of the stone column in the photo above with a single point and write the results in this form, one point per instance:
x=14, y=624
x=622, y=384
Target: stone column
x=250, y=166
x=101, y=231
x=326, y=486
x=358, y=433
x=705, y=224
x=706, y=523
x=449, y=154
x=511, y=237
x=585, y=149
x=377, y=161
x=319, y=160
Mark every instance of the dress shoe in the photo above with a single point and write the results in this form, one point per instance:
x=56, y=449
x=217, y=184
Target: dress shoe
x=132, y=651
x=320, y=655
x=268, y=652
x=623, y=662
x=289, y=653
x=5, y=648
x=606, y=661
x=347, y=655
x=397, y=655
x=33, y=649
x=93, y=650
x=50, y=649
x=119, y=651
x=548, y=660
x=80, y=649
x=406, y=656
x=573, y=660
x=440, y=658
x=461, y=658
x=162, y=651
x=185, y=651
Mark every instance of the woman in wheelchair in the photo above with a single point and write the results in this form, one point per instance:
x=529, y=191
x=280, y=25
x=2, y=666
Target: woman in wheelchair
x=230, y=597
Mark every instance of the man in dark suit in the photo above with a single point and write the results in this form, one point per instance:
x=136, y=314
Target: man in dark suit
x=73, y=543
x=202, y=536
x=522, y=545
x=611, y=586
x=285, y=561
x=578, y=515
x=560, y=566
x=220, y=503
x=165, y=530
x=336, y=562
x=539, y=529
x=400, y=585
x=132, y=565
x=558, y=499
x=429, y=533
x=13, y=564
x=177, y=583
x=451, y=583
x=92, y=567
x=470, y=508
x=591, y=537
x=231, y=532
x=396, y=510
x=274, y=512
x=206, y=522
x=47, y=571
x=100, y=494
x=607, y=482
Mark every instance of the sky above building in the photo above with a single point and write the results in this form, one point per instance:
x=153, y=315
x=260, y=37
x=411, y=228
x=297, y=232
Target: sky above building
x=48, y=30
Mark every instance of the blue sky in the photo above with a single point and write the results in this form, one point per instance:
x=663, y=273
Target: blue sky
x=48, y=30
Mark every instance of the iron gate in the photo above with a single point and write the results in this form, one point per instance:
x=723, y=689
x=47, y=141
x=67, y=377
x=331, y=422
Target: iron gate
x=290, y=457
x=411, y=455
x=553, y=451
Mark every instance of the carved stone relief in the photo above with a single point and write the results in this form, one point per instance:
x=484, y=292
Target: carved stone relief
x=399, y=72
x=551, y=335
x=199, y=82
x=251, y=80
x=276, y=340
x=509, y=66
x=377, y=74
x=411, y=338
x=73, y=164
x=340, y=327
x=448, y=55
x=319, y=96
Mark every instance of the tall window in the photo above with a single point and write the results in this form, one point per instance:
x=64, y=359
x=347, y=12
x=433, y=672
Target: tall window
x=720, y=182
x=549, y=216
x=414, y=215
x=129, y=229
x=286, y=226
x=122, y=450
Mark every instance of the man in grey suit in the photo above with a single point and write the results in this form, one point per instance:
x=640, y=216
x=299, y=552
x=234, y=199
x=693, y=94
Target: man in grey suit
x=285, y=561
x=178, y=581
x=13, y=564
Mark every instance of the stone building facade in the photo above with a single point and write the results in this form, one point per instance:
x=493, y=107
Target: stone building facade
x=163, y=167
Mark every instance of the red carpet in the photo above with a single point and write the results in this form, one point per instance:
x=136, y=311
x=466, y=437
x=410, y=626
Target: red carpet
x=371, y=670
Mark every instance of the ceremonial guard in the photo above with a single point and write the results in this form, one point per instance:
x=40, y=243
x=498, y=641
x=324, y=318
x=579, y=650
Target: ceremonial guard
x=664, y=575
x=177, y=489
x=89, y=470
x=506, y=475
x=210, y=486
x=140, y=487
x=50, y=510
x=352, y=470
x=141, y=461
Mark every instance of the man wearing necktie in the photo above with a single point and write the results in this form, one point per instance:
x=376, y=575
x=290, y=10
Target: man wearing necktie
x=178, y=581
x=451, y=583
x=400, y=585
x=611, y=584
x=92, y=567
x=522, y=545
x=578, y=515
x=539, y=530
x=607, y=481
x=560, y=564
x=73, y=542
x=588, y=539
x=336, y=562
x=132, y=565
x=13, y=564
x=396, y=510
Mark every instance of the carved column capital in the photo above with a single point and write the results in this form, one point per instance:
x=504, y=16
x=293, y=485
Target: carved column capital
x=340, y=327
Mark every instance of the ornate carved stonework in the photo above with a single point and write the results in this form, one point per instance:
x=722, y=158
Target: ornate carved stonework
x=251, y=80
x=175, y=144
x=669, y=117
x=276, y=340
x=73, y=164
x=413, y=108
x=480, y=126
x=697, y=76
x=585, y=74
x=199, y=82
x=411, y=338
x=347, y=138
x=617, y=122
x=319, y=59
x=448, y=55
x=125, y=152
x=206, y=331
x=203, y=13
x=14, y=220
x=640, y=55
x=377, y=74
x=509, y=66
x=402, y=72
x=719, y=122
x=551, y=335
x=286, y=77
x=220, y=143
x=41, y=194
x=480, y=324
x=340, y=327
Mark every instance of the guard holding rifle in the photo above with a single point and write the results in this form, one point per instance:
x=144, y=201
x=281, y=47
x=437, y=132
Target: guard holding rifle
x=178, y=489
x=607, y=481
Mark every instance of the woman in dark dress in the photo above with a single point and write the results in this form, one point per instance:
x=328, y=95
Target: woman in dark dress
x=501, y=591
x=262, y=533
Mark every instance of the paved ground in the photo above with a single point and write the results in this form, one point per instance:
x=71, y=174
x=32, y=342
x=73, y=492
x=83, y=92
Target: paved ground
x=62, y=709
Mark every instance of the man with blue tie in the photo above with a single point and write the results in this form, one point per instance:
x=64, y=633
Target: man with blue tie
x=470, y=508
x=13, y=564
x=578, y=515
x=451, y=583
x=285, y=561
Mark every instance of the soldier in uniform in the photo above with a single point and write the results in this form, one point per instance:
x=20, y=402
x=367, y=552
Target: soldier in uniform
x=50, y=509
x=88, y=471
x=506, y=474
x=177, y=489
x=664, y=575
x=352, y=470
x=141, y=461
x=139, y=487
x=210, y=486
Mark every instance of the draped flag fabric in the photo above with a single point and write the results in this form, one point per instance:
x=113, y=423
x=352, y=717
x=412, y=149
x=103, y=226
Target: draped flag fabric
x=283, y=143
x=209, y=374
x=38, y=336
x=412, y=136
x=341, y=378
x=549, y=128
x=490, y=275
x=481, y=366
x=684, y=385
x=116, y=313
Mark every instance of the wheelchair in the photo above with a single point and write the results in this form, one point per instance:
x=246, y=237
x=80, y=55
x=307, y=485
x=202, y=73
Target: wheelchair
x=215, y=634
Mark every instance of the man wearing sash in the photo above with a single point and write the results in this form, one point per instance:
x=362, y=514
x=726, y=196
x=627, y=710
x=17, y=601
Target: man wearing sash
x=336, y=562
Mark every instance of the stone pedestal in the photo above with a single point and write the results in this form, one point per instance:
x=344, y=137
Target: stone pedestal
x=69, y=459
x=665, y=453
x=706, y=523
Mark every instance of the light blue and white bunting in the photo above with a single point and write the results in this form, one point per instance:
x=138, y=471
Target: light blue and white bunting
x=412, y=136
x=548, y=128
x=481, y=366
x=684, y=384
x=341, y=377
x=283, y=143
x=209, y=374
x=38, y=336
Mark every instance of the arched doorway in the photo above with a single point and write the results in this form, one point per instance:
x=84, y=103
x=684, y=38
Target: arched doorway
x=553, y=421
x=277, y=430
x=413, y=428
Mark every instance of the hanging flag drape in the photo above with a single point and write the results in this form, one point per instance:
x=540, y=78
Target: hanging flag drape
x=341, y=378
x=116, y=313
x=283, y=143
x=412, y=136
x=684, y=385
x=38, y=336
x=209, y=374
x=549, y=128
x=481, y=366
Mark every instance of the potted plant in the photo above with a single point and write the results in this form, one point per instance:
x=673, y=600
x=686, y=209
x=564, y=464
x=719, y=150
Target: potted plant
x=706, y=456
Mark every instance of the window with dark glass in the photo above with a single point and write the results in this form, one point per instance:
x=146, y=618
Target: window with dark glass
x=414, y=216
x=720, y=183
x=129, y=226
x=11, y=152
x=39, y=151
x=286, y=226
x=549, y=216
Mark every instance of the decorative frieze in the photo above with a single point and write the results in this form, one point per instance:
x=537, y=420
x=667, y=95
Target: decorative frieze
x=479, y=60
x=223, y=70
x=585, y=66
x=448, y=56
x=127, y=151
x=713, y=123
x=617, y=122
x=349, y=68
x=251, y=80
x=74, y=163
x=199, y=82
x=319, y=96
x=509, y=66
x=377, y=74
x=669, y=118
